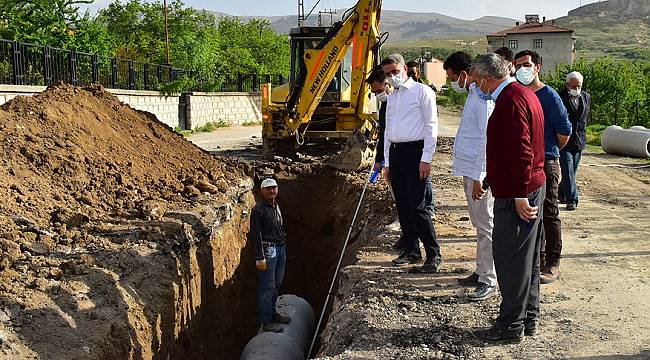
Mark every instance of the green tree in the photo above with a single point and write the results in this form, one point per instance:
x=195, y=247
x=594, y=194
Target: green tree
x=620, y=89
x=46, y=22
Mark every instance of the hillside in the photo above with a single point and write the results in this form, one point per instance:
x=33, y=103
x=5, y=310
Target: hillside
x=617, y=28
x=406, y=25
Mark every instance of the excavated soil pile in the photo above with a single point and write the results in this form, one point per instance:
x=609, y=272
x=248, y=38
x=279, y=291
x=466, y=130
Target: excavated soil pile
x=119, y=238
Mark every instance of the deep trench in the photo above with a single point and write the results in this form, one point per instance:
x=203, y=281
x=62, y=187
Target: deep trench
x=317, y=209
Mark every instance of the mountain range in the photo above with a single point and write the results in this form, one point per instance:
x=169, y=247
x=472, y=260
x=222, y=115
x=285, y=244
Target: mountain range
x=403, y=25
x=618, y=28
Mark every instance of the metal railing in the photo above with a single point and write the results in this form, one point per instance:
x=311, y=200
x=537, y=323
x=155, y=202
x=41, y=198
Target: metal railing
x=31, y=64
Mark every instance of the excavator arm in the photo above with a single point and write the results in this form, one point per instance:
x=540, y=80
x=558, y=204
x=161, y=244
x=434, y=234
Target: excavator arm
x=358, y=32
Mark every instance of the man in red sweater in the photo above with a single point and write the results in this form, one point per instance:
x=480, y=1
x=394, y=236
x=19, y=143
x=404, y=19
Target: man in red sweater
x=515, y=173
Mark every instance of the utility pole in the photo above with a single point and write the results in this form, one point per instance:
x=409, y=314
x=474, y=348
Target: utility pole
x=301, y=12
x=166, y=33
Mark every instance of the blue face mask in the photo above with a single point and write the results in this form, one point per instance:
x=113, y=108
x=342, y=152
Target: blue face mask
x=483, y=96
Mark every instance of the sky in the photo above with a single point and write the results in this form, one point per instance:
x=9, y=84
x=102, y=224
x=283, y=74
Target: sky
x=463, y=9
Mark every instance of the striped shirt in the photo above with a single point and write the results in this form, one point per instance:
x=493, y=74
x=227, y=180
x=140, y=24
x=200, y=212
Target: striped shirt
x=266, y=227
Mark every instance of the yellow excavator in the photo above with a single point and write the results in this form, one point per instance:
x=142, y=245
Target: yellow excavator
x=326, y=97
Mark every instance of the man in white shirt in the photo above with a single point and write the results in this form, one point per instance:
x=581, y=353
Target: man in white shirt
x=469, y=162
x=409, y=144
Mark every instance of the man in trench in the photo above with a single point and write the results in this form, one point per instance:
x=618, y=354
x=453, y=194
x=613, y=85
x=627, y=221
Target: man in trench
x=268, y=237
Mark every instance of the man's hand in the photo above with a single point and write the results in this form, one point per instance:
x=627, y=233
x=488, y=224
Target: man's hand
x=425, y=170
x=477, y=191
x=524, y=209
x=260, y=265
x=376, y=167
x=387, y=174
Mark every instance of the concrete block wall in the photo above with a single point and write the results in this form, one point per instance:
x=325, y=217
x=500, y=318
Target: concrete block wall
x=232, y=108
x=8, y=92
x=164, y=107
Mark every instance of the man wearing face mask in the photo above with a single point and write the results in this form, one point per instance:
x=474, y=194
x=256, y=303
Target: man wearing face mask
x=578, y=103
x=469, y=162
x=557, y=130
x=381, y=88
x=515, y=172
x=409, y=144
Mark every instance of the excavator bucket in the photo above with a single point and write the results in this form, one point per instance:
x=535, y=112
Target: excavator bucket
x=358, y=153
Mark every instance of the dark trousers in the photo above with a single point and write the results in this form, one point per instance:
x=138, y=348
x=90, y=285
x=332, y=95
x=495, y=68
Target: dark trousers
x=569, y=161
x=552, y=225
x=409, y=189
x=515, y=247
x=429, y=196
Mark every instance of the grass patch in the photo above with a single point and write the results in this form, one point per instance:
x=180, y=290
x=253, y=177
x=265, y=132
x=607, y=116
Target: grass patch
x=251, y=123
x=208, y=127
x=211, y=126
x=594, y=132
x=593, y=149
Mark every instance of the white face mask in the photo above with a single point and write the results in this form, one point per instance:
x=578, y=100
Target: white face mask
x=525, y=75
x=382, y=96
x=457, y=87
x=396, y=80
x=574, y=93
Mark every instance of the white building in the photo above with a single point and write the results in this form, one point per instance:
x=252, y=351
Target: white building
x=555, y=44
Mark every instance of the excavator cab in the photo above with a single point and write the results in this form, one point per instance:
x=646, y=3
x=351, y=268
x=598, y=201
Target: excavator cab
x=337, y=94
x=308, y=37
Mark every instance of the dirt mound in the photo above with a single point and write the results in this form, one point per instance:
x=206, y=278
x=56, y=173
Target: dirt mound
x=101, y=211
x=71, y=150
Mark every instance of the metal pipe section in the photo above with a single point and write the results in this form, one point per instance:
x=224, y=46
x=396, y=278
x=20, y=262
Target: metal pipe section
x=292, y=342
x=616, y=140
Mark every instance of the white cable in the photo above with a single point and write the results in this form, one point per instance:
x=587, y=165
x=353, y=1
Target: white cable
x=619, y=166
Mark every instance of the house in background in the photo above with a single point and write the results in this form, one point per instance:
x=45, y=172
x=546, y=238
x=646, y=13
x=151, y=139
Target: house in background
x=555, y=44
x=435, y=74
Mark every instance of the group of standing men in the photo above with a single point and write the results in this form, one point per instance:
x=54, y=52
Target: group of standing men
x=515, y=135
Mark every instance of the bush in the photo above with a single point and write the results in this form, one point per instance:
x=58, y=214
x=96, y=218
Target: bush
x=619, y=89
x=594, y=132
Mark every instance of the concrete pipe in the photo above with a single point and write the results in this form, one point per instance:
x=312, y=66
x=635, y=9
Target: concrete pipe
x=292, y=342
x=639, y=128
x=616, y=140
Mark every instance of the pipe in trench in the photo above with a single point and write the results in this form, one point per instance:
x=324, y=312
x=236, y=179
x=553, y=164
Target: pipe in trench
x=636, y=143
x=292, y=342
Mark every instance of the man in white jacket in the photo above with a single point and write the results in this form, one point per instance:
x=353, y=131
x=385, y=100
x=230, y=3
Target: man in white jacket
x=469, y=162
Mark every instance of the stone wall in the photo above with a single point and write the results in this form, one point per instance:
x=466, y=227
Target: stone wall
x=187, y=111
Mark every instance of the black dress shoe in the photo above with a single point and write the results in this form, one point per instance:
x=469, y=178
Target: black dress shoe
x=482, y=292
x=571, y=206
x=530, y=328
x=471, y=280
x=431, y=266
x=407, y=258
x=496, y=336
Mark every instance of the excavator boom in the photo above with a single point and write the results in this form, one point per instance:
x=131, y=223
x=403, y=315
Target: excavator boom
x=355, y=39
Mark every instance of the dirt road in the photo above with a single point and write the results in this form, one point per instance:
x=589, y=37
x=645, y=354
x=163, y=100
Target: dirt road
x=599, y=309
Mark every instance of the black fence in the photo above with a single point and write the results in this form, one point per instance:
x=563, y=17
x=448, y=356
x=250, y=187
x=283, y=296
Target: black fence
x=30, y=64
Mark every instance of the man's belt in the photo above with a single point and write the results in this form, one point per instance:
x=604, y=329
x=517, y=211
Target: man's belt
x=272, y=243
x=400, y=145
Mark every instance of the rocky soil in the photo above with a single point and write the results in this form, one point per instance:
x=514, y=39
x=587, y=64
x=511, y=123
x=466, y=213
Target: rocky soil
x=597, y=310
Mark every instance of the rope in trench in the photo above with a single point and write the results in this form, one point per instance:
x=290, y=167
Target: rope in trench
x=373, y=178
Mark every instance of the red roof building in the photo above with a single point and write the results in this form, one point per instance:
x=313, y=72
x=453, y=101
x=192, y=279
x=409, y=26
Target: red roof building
x=555, y=44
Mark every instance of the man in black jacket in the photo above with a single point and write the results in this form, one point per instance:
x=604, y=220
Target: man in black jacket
x=267, y=235
x=578, y=104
